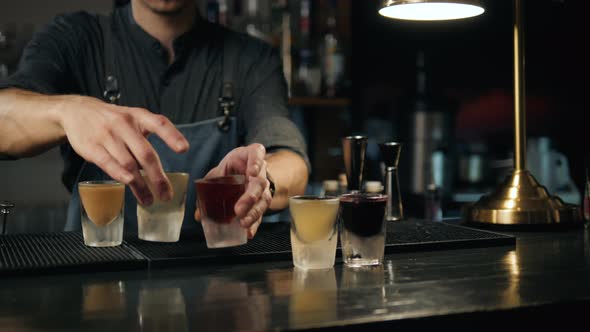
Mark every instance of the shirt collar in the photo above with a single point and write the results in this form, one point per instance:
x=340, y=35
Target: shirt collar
x=182, y=44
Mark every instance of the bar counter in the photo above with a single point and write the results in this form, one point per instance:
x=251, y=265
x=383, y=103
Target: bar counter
x=542, y=282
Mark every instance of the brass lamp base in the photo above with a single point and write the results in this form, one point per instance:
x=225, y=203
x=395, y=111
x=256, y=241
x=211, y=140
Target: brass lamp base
x=521, y=200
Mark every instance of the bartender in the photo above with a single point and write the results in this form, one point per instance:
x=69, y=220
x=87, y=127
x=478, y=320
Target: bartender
x=153, y=87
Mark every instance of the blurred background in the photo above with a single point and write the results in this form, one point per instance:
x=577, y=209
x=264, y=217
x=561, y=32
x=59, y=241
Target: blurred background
x=443, y=89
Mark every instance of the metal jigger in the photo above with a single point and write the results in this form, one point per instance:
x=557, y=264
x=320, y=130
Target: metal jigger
x=390, y=152
x=5, y=211
x=354, y=148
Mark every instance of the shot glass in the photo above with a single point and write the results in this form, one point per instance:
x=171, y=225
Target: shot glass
x=362, y=228
x=162, y=221
x=102, y=206
x=216, y=200
x=314, y=232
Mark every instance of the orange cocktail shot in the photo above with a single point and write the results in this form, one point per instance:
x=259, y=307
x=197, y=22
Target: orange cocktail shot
x=102, y=209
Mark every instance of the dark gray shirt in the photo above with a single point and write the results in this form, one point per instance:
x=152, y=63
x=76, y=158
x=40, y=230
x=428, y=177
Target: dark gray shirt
x=67, y=57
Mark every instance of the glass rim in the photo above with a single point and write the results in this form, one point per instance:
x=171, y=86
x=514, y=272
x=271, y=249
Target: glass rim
x=314, y=198
x=219, y=179
x=364, y=196
x=391, y=143
x=142, y=173
x=100, y=183
x=355, y=137
x=176, y=173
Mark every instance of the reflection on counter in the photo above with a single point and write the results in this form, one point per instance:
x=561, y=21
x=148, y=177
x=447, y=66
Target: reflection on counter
x=368, y=282
x=105, y=299
x=361, y=277
x=230, y=305
x=511, y=296
x=280, y=281
x=98, y=305
x=162, y=309
x=314, y=297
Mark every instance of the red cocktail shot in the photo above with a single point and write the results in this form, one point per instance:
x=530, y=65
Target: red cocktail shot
x=216, y=199
x=218, y=196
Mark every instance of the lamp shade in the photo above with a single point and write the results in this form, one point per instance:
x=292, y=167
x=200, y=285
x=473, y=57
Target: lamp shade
x=431, y=10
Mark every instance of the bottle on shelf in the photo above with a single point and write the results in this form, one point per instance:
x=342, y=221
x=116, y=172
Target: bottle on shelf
x=281, y=36
x=305, y=24
x=223, y=16
x=433, y=204
x=307, y=74
x=238, y=8
x=280, y=23
x=373, y=187
x=427, y=126
x=5, y=51
x=586, y=199
x=332, y=56
x=330, y=188
x=213, y=11
x=258, y=20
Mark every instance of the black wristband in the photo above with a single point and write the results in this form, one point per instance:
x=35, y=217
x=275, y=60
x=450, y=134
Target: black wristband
x=271, y=186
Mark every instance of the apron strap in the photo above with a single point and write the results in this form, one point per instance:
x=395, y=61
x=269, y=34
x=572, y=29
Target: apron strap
x=226, y=100
x=111, y=93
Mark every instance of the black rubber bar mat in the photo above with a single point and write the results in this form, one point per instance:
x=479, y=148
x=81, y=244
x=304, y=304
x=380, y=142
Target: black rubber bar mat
x=417, y=235
x=273, y=243
x=62, y=252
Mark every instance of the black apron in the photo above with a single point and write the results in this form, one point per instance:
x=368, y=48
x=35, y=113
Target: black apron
x=209, y=141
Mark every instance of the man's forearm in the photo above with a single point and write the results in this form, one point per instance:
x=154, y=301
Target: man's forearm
x=290, y=175
x=29, y=122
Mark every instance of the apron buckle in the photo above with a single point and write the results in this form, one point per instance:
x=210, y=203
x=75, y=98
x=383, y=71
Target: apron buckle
x=226, y=104
x=111, y=92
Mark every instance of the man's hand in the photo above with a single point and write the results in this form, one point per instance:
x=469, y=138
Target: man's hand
x=114, y=138
x=249, y=161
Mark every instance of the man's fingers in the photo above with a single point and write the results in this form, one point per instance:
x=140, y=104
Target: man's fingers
x=253, y=229
x=256, y=153
x=163, y=127
x=251, y=196
x=149, y=161
x=107, y=163
x=137, y=184
x=247, y=160
x=198, y=214
x=257, y=210
x=119, y=151
x=144, y=197
x=215, y=172
x=235, y=162
x=255, y=213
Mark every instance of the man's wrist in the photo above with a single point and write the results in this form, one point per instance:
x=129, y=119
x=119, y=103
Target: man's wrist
x=59, y=109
